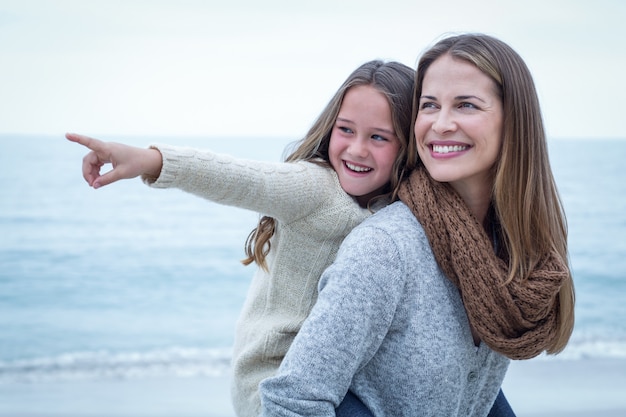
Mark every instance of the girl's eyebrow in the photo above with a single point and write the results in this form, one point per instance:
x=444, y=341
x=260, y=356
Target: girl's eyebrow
x=379, y=129
x=386, y=131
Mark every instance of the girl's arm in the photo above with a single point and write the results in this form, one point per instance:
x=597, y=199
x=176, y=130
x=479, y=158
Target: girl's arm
x=286, y=191
x=128, y=161
x=282, y=190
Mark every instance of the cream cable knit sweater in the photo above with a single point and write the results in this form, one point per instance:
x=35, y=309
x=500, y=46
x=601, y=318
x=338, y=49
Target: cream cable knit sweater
x=313, y=216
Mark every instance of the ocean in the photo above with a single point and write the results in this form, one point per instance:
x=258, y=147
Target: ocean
x=128, y=282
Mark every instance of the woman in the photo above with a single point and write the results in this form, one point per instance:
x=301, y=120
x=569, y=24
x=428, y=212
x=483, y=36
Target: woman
x=429, y=299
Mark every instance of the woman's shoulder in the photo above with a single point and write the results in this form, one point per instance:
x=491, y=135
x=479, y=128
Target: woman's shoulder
x=392, y=226
x=393, y=216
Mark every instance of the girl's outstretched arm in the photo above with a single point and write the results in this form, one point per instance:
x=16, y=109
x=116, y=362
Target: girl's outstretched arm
x=127, y=161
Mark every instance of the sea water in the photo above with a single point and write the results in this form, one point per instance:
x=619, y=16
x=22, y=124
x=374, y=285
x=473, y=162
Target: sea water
x=132, y=282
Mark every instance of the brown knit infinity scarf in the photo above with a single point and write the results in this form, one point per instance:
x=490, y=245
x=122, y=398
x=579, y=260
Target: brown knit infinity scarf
x=519, y=319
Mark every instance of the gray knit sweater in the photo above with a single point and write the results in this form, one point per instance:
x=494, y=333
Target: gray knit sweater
x=313, y=216
x=392, y=328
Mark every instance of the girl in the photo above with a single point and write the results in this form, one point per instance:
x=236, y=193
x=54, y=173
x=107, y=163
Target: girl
x=350, y=163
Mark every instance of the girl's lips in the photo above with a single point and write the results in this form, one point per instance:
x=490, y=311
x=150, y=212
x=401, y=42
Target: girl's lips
x=356, y=168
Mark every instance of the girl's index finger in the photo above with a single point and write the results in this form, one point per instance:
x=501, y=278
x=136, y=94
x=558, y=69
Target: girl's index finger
x=86, y=141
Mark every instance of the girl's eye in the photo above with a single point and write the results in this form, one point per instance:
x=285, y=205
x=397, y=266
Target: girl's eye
x=378, y=138
x=345, y=129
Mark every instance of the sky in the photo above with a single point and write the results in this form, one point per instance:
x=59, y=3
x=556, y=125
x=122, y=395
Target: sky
x=267, y=68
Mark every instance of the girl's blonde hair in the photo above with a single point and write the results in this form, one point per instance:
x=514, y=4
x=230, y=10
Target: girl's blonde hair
x=395, y=81
x=525, y=197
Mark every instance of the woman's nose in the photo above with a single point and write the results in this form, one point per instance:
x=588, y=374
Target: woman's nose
x=444, y=122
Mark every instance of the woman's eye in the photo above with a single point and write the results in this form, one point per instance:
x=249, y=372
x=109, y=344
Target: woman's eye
x=467, y=105
x=428, y=105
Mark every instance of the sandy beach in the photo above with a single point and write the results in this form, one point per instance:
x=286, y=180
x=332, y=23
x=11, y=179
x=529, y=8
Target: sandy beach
x=536, y=388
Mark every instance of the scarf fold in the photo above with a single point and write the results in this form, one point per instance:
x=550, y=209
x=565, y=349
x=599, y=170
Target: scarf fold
x=519, y=319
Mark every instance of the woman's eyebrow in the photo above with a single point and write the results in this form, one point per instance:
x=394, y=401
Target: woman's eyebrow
x=462, y=97
x=467, y=97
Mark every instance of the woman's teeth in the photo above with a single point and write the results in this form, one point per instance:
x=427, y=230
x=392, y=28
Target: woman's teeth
x=447, y=149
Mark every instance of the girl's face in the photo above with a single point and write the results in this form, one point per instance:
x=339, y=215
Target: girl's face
x=458, y=128
x=363, y=144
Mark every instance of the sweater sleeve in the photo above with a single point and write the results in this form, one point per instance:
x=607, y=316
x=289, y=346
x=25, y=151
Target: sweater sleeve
x=355, y=308
x=282, y=190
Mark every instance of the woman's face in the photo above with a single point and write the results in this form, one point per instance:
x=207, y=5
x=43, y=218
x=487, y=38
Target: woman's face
x=459, y=126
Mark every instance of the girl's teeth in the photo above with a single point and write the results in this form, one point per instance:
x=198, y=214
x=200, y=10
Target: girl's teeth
x=357, y=168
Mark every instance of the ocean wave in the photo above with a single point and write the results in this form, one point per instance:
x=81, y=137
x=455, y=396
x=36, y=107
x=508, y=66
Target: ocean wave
x=582, y=348
x=189, y=362
x=173, y=362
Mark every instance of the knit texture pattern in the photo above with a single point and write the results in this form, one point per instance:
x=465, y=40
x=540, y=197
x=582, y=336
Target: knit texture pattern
x=518, y=319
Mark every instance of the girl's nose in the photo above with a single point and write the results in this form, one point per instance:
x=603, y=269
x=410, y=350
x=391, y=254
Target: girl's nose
x=358, y=147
